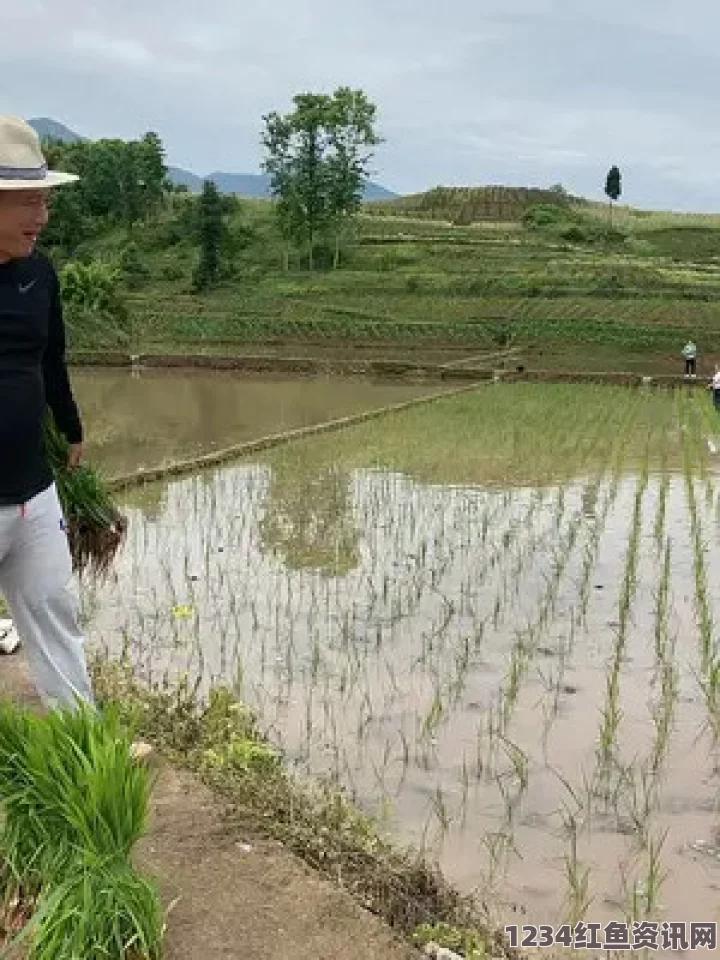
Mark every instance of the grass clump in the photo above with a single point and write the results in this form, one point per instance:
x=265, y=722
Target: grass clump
x=220, y=741
x=74, y=805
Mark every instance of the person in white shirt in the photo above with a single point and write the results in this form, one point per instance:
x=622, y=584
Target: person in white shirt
x=690, y=356
x=715, y=387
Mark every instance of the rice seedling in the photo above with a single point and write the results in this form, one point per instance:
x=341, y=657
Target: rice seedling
x=520, y=763
x=629, y=583
x=500, y=844
x=709, y=672
x=664, y=711
x=655, y=876
x=577, y=876
x=661, y=515
x=611, y=717
x=95, y=527
x=74, y=806
x=662, y=607
x=440, y=809
x=636, y=800
x=582, y=798
x=642, y=894
x=101, y=909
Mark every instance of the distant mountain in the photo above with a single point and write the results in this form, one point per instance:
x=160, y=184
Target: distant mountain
x=376, y=191
x=252, y=184
x=183, y=178
x=47, y=129
x=241, y=184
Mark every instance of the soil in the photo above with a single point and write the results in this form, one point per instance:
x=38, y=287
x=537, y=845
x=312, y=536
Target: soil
x=233, y=895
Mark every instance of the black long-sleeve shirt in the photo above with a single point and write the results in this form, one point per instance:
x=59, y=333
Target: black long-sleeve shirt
x=33, y=376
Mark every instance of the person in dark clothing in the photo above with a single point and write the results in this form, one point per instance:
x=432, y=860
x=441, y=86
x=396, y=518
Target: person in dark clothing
x=36, y=577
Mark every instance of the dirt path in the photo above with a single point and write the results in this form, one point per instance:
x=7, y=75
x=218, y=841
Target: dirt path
x=236, y=896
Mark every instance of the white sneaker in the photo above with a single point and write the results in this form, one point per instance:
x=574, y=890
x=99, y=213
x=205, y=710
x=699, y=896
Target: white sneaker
x=9, y=639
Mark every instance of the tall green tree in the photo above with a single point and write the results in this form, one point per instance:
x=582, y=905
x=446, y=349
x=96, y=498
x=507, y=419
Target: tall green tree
x=121, y=180
x=352, y=136
x=153, y=172
x=317, y=157
x=613, y=187
x=210, y=232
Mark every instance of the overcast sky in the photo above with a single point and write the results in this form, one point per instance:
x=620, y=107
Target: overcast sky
x=525, y=92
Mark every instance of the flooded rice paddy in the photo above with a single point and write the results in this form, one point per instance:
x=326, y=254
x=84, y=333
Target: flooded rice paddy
x=156, y=416
x=492, y=620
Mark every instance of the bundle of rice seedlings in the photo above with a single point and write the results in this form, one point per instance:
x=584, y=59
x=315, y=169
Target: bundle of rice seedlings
x=95, y=527
x=74, y=805
x=102, y=909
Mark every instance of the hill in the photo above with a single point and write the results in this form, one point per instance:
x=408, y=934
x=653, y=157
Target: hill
x=49, y=129
x=241, y=184
x=576, y=289
x=466, y=205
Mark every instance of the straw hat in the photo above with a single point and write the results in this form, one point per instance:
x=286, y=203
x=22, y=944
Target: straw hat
x=22, y=164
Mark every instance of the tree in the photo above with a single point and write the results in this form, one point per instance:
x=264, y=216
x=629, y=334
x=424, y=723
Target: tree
x=121, y=180
x=153, y=172
x=210, y=231
x=69, y=225
x=352, y=134
x=317, y=158
x=613, y=187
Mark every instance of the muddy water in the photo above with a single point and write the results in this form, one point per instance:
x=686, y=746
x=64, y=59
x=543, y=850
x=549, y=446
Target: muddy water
x=155, y=417
x=443, y=652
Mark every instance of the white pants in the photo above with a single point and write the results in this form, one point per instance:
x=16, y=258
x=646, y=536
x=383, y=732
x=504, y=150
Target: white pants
x=36, y=579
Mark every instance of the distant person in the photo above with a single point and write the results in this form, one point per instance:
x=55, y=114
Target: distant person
x=715, y=387
x=690, y=353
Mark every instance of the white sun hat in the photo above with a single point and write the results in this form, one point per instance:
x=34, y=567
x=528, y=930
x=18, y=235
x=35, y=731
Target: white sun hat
x=22, y=164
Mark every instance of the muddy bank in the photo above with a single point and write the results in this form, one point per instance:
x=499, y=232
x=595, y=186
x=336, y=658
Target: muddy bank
x=464, y=369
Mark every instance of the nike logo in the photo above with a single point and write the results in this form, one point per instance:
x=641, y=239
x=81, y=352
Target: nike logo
x=26, y=287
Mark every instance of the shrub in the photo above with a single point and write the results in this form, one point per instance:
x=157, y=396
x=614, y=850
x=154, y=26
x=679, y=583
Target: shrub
x=94, y=303
x=132, y=267
x=173, y=270
x=594, y=233
x=546, y=215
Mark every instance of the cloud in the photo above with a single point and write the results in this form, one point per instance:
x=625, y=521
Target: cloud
x=523, y=91
x=107, y=50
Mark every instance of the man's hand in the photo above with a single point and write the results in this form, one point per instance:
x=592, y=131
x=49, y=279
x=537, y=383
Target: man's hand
x=75, y=456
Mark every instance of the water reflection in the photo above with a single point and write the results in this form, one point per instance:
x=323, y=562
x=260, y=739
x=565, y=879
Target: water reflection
x=308, y=521
x=162, y=416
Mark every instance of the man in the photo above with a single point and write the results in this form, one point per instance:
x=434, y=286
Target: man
x=36, y=576
x=35, y=566
x=690, y=356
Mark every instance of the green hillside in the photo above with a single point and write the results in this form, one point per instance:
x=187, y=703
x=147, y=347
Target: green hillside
x=561, y=280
